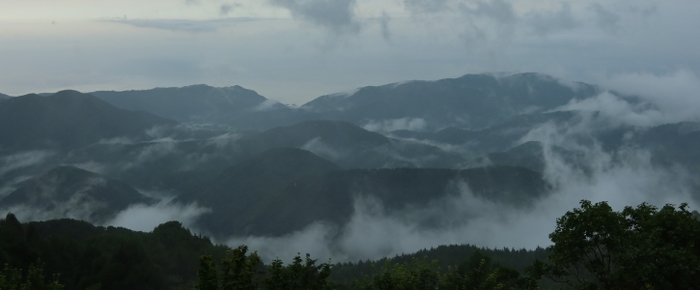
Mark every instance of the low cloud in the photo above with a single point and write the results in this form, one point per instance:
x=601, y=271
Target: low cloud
x=625, y=177
x=318, y=147
x=46, y=204
x=24, y=159
x=145, y=218
x=267, y=105
x=676, y=95
x=411, y=124
x=617, y=110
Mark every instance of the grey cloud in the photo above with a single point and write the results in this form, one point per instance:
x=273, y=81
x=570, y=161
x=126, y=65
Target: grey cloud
x=625, y=177
x=225, y=9
x=335, y=15
x=675, y=96
x=145, y=218
x=425, y=6
x=385, y=126
x=605, y=18
x=79, y=206
x=546, y=22
x=318, y=147
x=181, y=25
x=24, y=159
x=494, y=19
x=384, y=22
x=498, y=10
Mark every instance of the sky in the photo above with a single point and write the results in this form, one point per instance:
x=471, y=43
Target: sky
x=295, y=50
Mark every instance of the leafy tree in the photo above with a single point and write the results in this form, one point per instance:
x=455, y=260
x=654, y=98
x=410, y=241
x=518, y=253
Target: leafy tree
x=637, y=248
x=12, y=279
x=240, y=272
x=413, y=275
x=207, y=275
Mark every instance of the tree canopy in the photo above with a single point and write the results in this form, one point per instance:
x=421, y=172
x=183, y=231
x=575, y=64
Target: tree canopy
x=641, y=247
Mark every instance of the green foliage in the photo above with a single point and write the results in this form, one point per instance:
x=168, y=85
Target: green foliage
x=89, y=257
x=207, y=275
x=300, y=274
x=447, y=256
x=476, y=273
x=637, y=248
x=240, y=272
x=13, y=279
x=414, y=275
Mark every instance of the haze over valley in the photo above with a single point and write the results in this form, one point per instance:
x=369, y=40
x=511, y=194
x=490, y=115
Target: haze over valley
x=432, y=144
x=488, y=159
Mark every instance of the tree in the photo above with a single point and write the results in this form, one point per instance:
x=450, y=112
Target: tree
x=207, y=274
x=11, y=279
x=240, y=272
x=637, y=248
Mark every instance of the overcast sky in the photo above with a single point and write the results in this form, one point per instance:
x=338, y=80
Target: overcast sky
x=295, y=50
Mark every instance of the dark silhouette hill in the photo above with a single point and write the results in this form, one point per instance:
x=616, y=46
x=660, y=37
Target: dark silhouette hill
x=67, y=191
x=473, y=101
x=276, y=202
x=241, y=188
x=233, y=106
x=351, y=146
x=67, y=120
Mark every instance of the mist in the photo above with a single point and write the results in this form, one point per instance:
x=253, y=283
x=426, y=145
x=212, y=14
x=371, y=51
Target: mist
x=576, y=166
x=144, y=217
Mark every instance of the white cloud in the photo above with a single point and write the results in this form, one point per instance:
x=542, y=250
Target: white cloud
x=411, y=124
x=23, y=159
x=676, y=95
x=267, y=105
x=145, y=218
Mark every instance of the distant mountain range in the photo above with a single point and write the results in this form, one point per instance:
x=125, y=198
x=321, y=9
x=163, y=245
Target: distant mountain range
x=200, y=104
x=267, y=169
x=67, y=120
x=473, y=102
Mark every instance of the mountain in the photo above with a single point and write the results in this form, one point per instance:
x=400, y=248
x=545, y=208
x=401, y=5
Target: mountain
x=473, y=101
x=71, y=192
x=240, y=189
x=351, y=146
x=67, y=120
x=201, y=104
x=3, y=97
x=497, y=138
x=262, y=200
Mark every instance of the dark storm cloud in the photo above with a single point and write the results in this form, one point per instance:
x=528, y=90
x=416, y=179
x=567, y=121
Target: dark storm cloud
x=335, y=15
